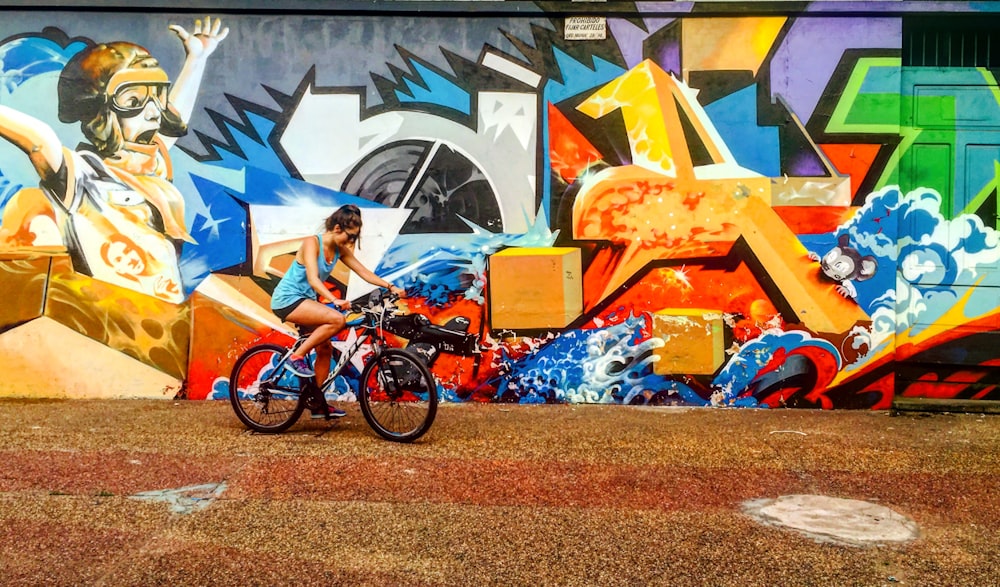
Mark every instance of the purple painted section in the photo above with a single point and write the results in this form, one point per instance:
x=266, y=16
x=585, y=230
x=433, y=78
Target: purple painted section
x=805, y=164
x=674, y=7
x=833, y=6
x=807, y=58
x=630, y=40
x=668, y=54
x=668, y=57
x=655, y=24
x=903, y=6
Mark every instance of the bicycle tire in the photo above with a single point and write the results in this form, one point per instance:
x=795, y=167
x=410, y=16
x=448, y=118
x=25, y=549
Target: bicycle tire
x=270, y=406
x=398, y=395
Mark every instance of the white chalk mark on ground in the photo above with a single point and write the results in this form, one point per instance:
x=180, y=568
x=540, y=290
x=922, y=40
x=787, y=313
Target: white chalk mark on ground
x=185, y=500
x=830, y=519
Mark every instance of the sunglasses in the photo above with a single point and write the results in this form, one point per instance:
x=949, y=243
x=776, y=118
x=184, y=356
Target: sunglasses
x=352, y=237
x=130, y=99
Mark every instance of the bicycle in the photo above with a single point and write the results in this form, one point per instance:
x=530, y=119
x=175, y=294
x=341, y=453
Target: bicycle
x=397, y=392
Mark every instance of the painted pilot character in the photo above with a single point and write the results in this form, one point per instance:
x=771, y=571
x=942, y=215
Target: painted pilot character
x=118, y=189
x=844, y=264
x=124, y=257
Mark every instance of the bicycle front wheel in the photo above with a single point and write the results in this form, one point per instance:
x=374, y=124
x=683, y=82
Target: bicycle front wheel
x=265, y=395
x=398, y=395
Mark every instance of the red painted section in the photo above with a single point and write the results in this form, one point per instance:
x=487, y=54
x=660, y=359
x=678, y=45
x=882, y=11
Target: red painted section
x=854, y=160
x=569, y=151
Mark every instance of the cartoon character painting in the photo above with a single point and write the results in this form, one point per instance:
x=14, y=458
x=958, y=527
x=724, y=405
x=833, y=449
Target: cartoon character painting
x=844, y=264
x=113, y=201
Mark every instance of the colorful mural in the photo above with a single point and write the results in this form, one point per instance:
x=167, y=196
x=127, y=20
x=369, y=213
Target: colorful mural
x=752, y=211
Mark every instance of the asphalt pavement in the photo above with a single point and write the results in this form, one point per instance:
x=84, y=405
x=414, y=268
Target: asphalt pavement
x=146, y=492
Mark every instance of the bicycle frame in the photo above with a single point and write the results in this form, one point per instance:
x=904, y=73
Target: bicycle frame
x=371, y=324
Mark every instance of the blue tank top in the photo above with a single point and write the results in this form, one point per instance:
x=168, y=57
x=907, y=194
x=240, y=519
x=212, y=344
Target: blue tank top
x=294, y=286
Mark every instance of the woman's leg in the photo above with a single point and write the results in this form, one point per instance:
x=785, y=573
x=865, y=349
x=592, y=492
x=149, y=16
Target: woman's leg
x=324, y=354
x=327, y=322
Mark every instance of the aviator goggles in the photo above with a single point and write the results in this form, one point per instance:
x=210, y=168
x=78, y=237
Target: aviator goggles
x=131, y=99
x=131, y=89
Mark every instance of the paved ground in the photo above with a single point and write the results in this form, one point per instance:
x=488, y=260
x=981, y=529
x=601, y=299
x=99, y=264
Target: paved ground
x=493, y=495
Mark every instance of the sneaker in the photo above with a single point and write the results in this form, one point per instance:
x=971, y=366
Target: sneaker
x=328, y=412
x=299, y=367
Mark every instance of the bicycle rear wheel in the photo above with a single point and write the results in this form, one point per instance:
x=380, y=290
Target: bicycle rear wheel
x=398, y=395
x=265, y=397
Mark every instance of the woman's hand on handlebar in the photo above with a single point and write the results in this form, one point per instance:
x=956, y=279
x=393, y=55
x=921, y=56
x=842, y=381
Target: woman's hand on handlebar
x=397, y=291
x=340, y=305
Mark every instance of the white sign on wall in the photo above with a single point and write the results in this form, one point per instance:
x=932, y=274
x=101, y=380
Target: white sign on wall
x=582, y=28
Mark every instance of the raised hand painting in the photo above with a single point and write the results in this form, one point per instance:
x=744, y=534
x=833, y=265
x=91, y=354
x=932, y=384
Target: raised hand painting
x=113, y=201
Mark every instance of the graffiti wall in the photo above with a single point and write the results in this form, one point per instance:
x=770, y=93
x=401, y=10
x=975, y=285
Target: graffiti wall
x=729, y=210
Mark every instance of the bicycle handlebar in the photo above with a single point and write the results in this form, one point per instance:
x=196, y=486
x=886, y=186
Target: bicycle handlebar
x=384, y=295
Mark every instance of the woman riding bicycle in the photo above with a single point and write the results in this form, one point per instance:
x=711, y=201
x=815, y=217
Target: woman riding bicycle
x=295, y=298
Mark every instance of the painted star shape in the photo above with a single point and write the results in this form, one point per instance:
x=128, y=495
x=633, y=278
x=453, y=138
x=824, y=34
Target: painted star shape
x=344, y=346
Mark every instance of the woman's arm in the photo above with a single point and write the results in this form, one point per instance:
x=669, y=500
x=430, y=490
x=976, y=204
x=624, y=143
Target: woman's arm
x=307, y=255
x=35, y=138
x=347, y=256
